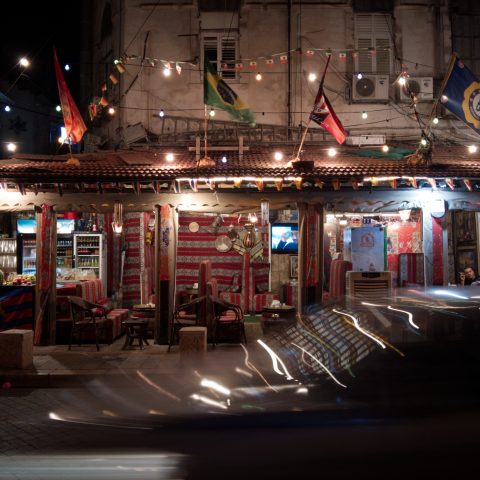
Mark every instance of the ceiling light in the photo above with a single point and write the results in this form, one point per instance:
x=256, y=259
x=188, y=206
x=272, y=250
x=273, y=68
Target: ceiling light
x=332, y=152
x=278, y=156
x=169, y=157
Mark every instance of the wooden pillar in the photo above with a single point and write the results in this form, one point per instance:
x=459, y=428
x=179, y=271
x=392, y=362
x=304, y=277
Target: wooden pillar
x=427, y=244
x=302, y=257
x=319, y=227
x=158, y=244
x=52, y=294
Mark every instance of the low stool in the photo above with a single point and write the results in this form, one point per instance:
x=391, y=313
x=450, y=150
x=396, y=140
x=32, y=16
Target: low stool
x=16, y=349
x=193, y=340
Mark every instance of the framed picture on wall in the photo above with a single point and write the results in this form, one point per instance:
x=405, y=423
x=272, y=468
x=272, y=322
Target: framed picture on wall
x=294, y=266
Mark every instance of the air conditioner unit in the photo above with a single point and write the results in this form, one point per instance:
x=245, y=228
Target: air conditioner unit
x=370, y=88
x=368, y=287
x=421, y=87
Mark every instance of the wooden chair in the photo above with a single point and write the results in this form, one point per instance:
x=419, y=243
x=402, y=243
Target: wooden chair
x=185, y=315
x=86, y=316
x=228, y=316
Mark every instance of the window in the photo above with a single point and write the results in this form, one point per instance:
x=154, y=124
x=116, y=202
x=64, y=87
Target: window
x=466, y=34
x=374, y=31
x=221, y=50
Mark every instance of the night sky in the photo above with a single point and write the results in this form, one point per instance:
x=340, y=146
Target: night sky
x=32, y=29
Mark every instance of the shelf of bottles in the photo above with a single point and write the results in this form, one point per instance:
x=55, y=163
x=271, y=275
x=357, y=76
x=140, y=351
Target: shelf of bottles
x=65, y=253
x=29, y=256
x=88, y=252
x=8, y=254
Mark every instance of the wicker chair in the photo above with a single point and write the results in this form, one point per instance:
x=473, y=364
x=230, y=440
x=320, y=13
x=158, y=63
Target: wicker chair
x=86, y=316
x=228, y=316
x=186, y=315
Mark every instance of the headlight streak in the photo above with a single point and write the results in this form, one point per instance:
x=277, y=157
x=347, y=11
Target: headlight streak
x=320, y=363
x=253, y=368
x=275, y=361
x=410, y=316
x=208, y=401
x=241, y=371
x=54, y=416
x=372, y=304
x=157, y=387
x=359, y=328
x=308, y=331
x=449, y=294
x=215, y=386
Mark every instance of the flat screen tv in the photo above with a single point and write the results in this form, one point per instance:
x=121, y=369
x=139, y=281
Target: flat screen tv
x=29, y=225
x=65, y=225
x=284, y=238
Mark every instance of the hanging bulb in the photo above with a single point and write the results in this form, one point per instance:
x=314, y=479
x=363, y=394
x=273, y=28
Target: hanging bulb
x=258, y=76
x=161, y=113
x=364, y=115
x=312, y=77
x=385, y=148
x=402, y=81
x=332, y=152
x=67, y=67
x=24, y=62
x=7, y=108
x=224, y=159
x=472, y=149
x=111, y=111
x=359, y=76
x=212, y=112
x=167, y=71
x=435, y=120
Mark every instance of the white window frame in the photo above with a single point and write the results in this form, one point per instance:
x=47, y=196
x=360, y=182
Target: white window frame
x=374, y=30
x=221, y=40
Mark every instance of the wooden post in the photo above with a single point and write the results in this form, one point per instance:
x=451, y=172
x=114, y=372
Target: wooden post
x=319, y=226
x=158, y=243
x=427, y=245
x=302, y=257
x=52, y=294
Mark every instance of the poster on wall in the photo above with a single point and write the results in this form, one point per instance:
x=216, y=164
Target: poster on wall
x=368, y=249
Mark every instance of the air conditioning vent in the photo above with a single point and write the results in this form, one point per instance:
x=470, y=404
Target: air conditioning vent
x=421, y=87
x=370, y=88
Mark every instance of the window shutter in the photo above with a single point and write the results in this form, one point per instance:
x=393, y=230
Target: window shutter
x=229, y=51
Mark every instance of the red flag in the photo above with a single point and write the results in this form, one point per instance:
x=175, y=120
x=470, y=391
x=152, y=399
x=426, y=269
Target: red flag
x=74, y=124
x=324, y=115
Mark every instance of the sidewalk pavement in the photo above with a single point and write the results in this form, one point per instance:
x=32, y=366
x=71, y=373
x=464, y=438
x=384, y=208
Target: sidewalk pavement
x=56, y=366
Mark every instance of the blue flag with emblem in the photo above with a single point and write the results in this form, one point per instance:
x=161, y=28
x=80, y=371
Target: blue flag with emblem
x=461, y=94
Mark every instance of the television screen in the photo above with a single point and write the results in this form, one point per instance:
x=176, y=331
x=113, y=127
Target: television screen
x=285, y=238
x=65, y=225
x=26, y=225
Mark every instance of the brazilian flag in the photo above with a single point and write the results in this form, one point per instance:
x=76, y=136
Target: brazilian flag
x=217, y=93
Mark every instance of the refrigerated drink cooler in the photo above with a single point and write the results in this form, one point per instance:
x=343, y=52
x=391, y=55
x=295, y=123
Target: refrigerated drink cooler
x=89, y=254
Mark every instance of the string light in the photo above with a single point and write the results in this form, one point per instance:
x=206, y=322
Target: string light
x=58, y=108
x=385, y=148
x=332, y=152
x=364, y=115
x=444, y=98
x=402, y=80
x=161, y=113
x=224, y=159
x=11, y=147
x=212, y=112
x=7, y=108
x=111, y=111
x=312, y=77
x=24, y=62
x=169, y=157
x=435, y=121
x=67, y=67
x=359, y=76
x=472, y=149
x=166, y=71
x=424, y=142
x=258, y=76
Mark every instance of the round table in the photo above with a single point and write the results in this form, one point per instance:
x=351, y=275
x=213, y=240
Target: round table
x=135, y=328
x=146, y=311
x=278, y=317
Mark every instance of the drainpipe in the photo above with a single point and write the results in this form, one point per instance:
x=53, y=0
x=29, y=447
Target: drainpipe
x=289, y=89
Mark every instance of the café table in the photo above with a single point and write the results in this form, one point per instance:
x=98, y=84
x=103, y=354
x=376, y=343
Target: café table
x=278, y=317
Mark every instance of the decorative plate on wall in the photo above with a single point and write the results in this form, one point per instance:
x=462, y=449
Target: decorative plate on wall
x=194, y=227
x=223, y=243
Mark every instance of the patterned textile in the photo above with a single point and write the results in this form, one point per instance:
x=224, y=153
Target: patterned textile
x=437, y=235
x=290, y=295
x=63, y=306
x=92, y=291
x=132, y=271
x=231, y=297
x=17, y=308
x=261, y=300
x=411, y=271
x=338, y=270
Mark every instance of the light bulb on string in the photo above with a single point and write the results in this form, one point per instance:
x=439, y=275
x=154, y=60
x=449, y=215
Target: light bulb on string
x=312, y=77
x=423, y=142
x=278, y=156
x=11, y=147
x=472, y=149
x=58, y=108
x=385, y=148
x=258, y=76
x=364, y=115
x=7, y=108
x=224, y=159
x=435, y=121
x=111, y=111
x=67, y=67
x=24, y=62
x=402, y=81
x=212, y=112
x=359, y=76
x=161, y=113
x=166, y=71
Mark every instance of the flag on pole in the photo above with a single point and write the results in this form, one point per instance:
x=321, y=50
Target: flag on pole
x=74, y=124
x=217, y=93
x=324, y=115
x=461, y=94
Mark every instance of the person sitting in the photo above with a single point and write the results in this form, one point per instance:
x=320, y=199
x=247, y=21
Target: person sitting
x=468, y=277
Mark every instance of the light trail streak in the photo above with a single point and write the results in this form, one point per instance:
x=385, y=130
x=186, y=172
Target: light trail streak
x=208, y=401
x=214, y=386
x=157, y=387
x=253, y=368
x=410, y=316
x=275, y=361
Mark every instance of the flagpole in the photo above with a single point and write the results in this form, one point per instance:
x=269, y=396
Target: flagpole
x=440, y=93
x=205, y=130
x=320, y=89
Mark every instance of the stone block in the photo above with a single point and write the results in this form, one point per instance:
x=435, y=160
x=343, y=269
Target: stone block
x=193, y=340
x=16, y=349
